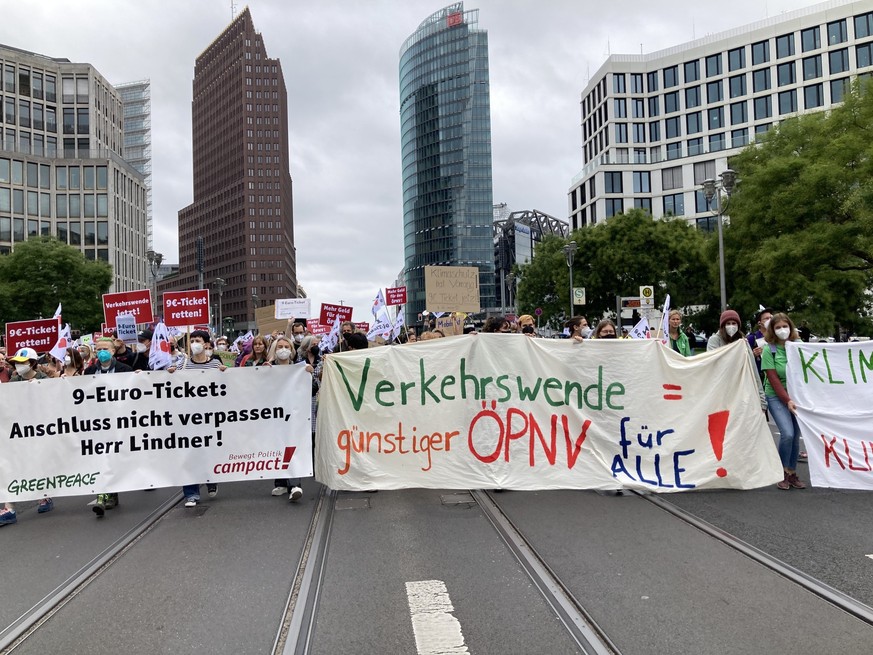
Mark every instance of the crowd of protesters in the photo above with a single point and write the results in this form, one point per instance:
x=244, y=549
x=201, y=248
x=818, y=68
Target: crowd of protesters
x=108, y=355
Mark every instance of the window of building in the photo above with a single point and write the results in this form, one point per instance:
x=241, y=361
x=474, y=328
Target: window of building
x=655, y=131
x=643, y=203
x=642, y=182
x=810, y=39
x=637, y=83
x=693, y=123
x=714, y=92
x=620, y=133
x=655, y=154
x=692, y=71
x=763, y=108
x=837, y=32
x=704, y=170
x=612, y=182
x=739, y=113
x=671, y=178
x=620, y=108
x=618, y=83
x=692, y=97
x=737, y=85
x=674, y=150
x=740, y=138
x=864, y=25
x=614, y=206
x=716, y=118
x=864, y=55
x=671, y=102
x=671, y=76
x=761, y=80
x=812, y=67
x=654, y=106
x=838, y=61
x=813, y=96
x=23, y=113
x=838, y=89
x=82, y=121
x=639, y=155
x=716, y=142
x=785, y=73
x=652, y=82
x=784, y=46
x=639, y=132
x=760, y=53
x=713, y=65
x=736, y=59
x=639, y=108
x=695, y=146
x=788, y=102
x=674, y=205
x=51, y=93
x=672, y=129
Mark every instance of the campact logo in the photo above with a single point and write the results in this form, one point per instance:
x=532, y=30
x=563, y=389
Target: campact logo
x=274, y=460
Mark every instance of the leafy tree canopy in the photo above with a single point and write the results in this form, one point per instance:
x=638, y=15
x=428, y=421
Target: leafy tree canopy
x=801, y=233
x=43, y=272
x=614, y=259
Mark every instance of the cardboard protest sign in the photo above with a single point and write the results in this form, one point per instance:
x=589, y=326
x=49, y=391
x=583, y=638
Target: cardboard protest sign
x=451, y=288
x=450, y=324
x=86, y=435
x=40, y=334
x=183, y=308
x=265, y=318
x=505, y=411
x=138, y=303
x=832, y=384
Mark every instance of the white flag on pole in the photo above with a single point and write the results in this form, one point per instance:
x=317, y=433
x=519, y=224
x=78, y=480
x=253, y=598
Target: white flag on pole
x=63, y=342
x=378, y=303
x=328, y=343
x=665, y=320
x=398, y=326
x=640, y=330
x=57, y=311
x=159, y=352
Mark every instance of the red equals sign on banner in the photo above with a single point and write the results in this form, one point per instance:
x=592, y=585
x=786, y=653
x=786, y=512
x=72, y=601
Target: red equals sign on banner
x=672, y=396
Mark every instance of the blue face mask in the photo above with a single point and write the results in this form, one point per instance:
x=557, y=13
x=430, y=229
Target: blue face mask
x=104, y=356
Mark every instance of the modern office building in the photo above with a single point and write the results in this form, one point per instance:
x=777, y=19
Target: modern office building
x=62, y=171
x=655, y=126
x=242, y=210
x=446, y=150
x=137, y=148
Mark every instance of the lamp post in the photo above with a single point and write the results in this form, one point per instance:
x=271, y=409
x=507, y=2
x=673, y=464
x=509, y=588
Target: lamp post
x=569, y=251
x=154, y=259
x=220, y=284
x=714, y=188
x=510, y=283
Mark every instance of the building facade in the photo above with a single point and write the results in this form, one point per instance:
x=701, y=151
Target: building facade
x=446, y=152
x=655, y=126
x=136, y=98
x=62, y=171
x=242, y=209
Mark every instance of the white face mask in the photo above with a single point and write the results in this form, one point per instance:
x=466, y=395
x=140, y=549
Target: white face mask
x=730, y=329
x=283, y=353
x=298, y=338
x=766, y=323
x=586, y=332
x=141, y=347
x=196, y=348
x=68, y=360
x=783, y=333
x=222, y=347
x=207, y=352
x=21, y=369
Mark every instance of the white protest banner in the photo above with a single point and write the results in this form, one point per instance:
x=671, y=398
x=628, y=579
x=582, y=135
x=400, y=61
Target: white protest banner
x=94, y=434
x=125, y=327
x=293, y=308
x=832, y=384
x=504, y=411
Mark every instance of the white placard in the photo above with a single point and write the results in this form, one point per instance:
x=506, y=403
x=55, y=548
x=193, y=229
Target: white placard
x=293, y=308
x=125, y=327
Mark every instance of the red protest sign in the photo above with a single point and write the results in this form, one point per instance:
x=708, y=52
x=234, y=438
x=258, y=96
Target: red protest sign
x=186, y=307
x=41, y=334
x=106, y=330
x=395, y=296
x=314, y=327
x=362, y=326
x=138, y=303
x=331, y=312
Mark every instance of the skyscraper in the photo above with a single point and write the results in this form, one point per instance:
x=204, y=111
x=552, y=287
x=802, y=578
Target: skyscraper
x=137, y=149
x=445, y=120
x=242, y=205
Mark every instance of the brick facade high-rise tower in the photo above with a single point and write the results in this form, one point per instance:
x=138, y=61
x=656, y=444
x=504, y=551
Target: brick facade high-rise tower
x=242, y=205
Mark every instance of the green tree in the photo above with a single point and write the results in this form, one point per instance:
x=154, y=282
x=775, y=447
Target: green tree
x=801, y=233
x=43, y=272
x=614, y=259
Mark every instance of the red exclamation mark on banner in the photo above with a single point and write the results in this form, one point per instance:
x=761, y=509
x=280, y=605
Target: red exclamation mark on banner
x=717, y=427
x=289, y=453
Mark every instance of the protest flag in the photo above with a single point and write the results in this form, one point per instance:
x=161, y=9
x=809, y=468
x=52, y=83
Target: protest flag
x=378, y=303
x=159, y=352
x=328, y=343
x=640, y=330
x=665, y=321
x=63, y=342
x=57, y=311
x=398, y=326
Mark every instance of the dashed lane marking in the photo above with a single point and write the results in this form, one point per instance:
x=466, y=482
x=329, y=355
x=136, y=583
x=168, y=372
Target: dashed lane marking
x=437, y=631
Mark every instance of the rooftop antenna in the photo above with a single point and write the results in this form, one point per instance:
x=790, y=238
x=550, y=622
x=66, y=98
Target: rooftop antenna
x=232, y=10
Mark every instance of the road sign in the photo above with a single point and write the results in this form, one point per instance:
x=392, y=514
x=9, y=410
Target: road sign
x=538, y=311
x=647, y=296
x=578, y=295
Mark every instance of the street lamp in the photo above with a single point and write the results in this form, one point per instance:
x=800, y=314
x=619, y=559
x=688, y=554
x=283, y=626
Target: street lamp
x=713, y=188
x=220, y=284
x=510, y=283
x=154, y=259
x=569, y=251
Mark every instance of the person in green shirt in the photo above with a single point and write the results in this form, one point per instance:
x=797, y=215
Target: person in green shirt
x=773, y=359
x=678, y=340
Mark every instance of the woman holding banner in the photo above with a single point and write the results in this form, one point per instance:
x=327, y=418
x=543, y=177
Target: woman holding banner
x=773, y=360
x=259, y=356
x=729, y=331
x=282, y=353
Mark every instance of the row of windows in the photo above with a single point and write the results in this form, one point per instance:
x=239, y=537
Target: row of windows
x=32, y=83
x=89, y=233
x=36, y=175
x=32, y=203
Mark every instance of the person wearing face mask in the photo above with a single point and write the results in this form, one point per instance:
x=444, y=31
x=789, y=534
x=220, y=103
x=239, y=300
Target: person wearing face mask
x=756, y=339
x=26, y=363
x=729, y=331
x=298, y=331
x=140, y=360
x=577, y=328
x=73, y=364
x=604, y=330
x=773, y=360
x=87, y=355
x=282, y=353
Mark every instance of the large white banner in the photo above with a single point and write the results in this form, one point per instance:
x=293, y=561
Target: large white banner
x=505, y=411
x=832, y=386
x=125, y=431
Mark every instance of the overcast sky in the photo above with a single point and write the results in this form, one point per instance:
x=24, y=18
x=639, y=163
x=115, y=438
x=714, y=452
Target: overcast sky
x=340, y=59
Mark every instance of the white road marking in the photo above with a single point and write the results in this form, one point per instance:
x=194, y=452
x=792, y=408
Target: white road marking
x=870, y=556
x=436, y=631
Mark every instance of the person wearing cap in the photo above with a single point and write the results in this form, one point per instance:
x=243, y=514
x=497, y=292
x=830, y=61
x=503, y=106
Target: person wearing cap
x=123, y=354
x=26, y=362
x=140, y=361
x=729, y=331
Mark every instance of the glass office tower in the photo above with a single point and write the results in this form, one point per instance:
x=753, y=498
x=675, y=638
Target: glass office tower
x=445, y=120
